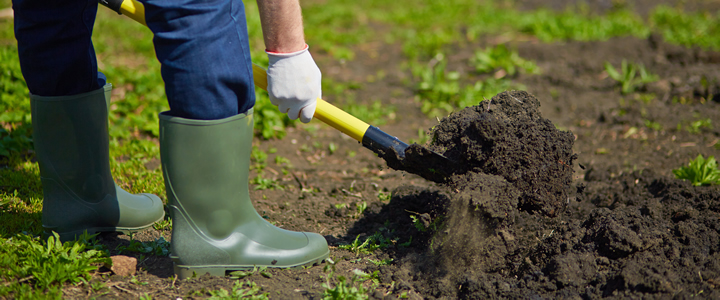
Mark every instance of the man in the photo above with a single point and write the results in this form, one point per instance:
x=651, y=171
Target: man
x=205, y=137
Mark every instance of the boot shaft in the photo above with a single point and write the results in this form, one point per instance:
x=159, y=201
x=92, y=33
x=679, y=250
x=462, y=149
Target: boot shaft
x=71, y=140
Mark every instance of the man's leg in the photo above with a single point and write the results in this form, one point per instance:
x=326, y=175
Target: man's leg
x=205, y=56
x=68, y=98
x=56, y=53
x=206, y=140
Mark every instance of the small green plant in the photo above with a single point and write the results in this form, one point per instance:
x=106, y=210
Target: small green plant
x=440, y=92
x=283, y=161
x=653, y=125
x=627, y=76
x=159, y=247
x=45, y=264
x=502, y=59
x=145, y=297
x=259, y=157
x=343, y=288
x=374, y=277
x=163, y=225
x=384, y=196
x=360, y=208
x=383, y=262
x=423, y=223
x=700, y=171
x=377, y=113
x=370, y=244
x=695, y=126
x=245, y=273
x=266, y=183
x=241, y=290
x=332, y=147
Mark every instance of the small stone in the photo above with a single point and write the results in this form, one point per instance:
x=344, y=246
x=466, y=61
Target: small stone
x=123, y=265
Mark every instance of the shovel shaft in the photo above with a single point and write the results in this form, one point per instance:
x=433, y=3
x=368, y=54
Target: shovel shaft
x=370, y=136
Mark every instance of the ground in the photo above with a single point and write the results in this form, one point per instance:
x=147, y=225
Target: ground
x=625, y=227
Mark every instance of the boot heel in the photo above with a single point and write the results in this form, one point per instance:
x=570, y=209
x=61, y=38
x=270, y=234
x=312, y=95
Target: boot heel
x=184, y=272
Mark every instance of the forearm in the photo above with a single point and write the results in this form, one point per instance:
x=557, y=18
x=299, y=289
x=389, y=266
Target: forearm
x=281, y=25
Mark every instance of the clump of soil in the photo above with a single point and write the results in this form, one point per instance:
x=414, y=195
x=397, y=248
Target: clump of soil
x=514, y=226
x=507, y=136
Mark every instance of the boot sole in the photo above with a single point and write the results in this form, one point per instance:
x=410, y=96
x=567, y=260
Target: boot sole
x=184, y=271
x=73, y=235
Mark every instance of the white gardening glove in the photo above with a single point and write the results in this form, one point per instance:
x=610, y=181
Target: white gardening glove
x=294, y=83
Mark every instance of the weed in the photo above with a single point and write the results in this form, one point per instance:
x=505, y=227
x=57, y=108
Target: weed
x=25, y=259
x=363, y=276
x=360, y=208
x=266, y=183
x=241, y=290
x=370, y=244
x=96, y=286
x=145, y=297
x=502, y=59
x=342, y=288
x=259, y=157
x=245, y=273
x=653, y=125
x=423, y=223
x=627, y=76
x=163, y=225
x=332, y=148
x=700, y=171
x=384, y=196
x=377, y=113
x=281, y=160
x=383, y=262
x=695, y=126
x=688, y=29
x=159, y=247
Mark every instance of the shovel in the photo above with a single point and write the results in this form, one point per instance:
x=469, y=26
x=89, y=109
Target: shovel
x=398, y=155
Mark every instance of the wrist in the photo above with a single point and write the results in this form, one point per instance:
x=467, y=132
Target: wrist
x=287, y=54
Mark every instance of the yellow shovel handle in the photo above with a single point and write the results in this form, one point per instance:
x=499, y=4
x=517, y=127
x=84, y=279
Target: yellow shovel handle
x=324, y=111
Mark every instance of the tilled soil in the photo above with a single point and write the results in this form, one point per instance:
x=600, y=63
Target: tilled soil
x=636, y=235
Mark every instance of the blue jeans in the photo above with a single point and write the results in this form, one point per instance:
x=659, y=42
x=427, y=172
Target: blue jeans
x=202, y=47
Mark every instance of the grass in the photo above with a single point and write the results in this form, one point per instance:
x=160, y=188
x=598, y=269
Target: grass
x=27, y=262
x=441, y=91
x=502, y=61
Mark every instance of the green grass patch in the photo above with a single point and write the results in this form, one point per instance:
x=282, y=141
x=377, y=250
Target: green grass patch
x=502, y=59
x=27, y=261
x=441, y=92
x=20, y=198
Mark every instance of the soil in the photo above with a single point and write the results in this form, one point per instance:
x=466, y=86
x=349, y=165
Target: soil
x=562, y=190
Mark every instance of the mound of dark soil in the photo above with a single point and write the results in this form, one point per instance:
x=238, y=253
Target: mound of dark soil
x=507, y=136
x=514, y=226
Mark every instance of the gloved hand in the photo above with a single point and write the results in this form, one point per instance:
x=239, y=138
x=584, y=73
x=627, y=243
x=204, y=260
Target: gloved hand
x=294, y=83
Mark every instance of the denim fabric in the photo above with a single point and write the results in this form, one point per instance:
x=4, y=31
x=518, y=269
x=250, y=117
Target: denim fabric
x=201, y=45
x=56, y=54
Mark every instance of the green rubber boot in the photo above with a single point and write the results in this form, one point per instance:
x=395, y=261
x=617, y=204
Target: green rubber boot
x=72, y=148
x=215, y=226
